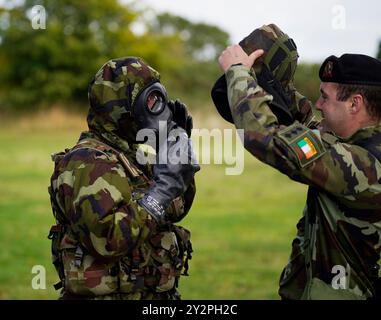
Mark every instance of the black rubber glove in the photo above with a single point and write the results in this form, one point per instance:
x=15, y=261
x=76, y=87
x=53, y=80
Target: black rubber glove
x=172, y=178
x=181, y=116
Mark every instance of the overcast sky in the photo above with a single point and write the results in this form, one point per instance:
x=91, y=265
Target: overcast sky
x=319, y=28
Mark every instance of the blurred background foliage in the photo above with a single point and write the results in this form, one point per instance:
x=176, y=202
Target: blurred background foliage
x=45, y=67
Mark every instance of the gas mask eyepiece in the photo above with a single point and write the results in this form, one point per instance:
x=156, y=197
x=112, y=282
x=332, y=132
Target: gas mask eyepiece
x=155, y=102
x=151, y=107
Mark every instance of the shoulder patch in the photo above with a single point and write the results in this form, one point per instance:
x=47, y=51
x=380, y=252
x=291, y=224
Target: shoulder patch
x=303, y=142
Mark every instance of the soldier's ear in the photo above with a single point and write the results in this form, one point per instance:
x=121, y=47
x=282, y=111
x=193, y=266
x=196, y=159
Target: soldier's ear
x=357, y=101
x=353, y=108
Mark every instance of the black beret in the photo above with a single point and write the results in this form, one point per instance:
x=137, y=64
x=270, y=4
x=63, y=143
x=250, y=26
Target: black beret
x=351, y=69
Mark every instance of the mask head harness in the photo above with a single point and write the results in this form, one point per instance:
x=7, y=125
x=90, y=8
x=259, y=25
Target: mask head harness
x=274, y=71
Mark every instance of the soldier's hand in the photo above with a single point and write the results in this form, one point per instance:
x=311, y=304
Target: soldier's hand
x=235, y=55
x=172, y=178
x=181, y=116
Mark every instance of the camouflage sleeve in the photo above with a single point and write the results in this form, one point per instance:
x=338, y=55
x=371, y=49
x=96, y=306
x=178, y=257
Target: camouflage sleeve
x=99, y=205
x=297, y=151
x=301, y=108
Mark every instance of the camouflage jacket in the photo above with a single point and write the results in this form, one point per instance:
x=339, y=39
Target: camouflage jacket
x=105, y=245
x=336, y=251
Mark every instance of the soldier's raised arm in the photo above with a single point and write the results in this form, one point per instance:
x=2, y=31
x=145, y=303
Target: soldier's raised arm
x=303, y=154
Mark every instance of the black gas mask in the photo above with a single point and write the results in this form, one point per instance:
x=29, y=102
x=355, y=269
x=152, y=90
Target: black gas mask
x=151, y=107
x=279, y=104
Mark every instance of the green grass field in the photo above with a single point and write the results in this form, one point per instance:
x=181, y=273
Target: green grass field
x=242, y=226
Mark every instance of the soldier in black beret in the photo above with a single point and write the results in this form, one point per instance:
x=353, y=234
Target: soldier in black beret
x=336, y=251
x=350, y=93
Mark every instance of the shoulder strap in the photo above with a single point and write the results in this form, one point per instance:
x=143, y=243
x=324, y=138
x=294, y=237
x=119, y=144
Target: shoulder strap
x=130, y=168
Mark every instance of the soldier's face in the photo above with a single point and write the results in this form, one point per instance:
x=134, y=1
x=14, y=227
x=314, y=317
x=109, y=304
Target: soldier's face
x=336, y=115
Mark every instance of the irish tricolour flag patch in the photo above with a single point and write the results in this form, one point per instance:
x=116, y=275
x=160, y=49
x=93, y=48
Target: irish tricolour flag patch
x=306, y=148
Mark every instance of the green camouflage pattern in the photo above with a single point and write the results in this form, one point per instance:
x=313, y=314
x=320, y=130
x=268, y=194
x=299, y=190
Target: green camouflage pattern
x=109, y=247
x=301, y=108
x=341, y=223
x=280, y=53
x=112, y=94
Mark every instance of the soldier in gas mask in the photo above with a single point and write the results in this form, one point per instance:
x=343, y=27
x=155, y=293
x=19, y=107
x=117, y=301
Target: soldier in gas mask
x=115, y=235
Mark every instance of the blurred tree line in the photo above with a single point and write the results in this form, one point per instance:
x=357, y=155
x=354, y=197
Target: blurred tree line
x=43, y=67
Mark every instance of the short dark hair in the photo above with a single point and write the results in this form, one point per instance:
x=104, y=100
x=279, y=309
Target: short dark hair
x=370, y=94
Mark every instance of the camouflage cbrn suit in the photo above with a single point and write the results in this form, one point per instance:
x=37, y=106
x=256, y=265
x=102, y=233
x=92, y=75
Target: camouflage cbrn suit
x=105, y=245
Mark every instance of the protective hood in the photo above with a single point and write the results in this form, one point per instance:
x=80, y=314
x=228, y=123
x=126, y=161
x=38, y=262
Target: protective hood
x=280, y=56
x=112, y=94
x=275, y=69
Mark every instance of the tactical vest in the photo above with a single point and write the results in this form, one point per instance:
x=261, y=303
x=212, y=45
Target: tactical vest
x=155, y=266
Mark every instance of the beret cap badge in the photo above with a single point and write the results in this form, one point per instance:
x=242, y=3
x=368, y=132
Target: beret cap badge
x=328, y=70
